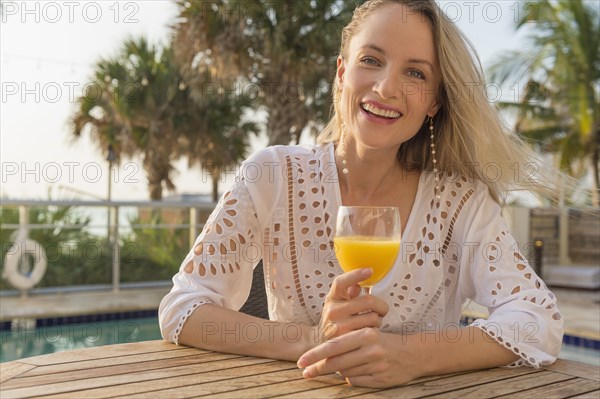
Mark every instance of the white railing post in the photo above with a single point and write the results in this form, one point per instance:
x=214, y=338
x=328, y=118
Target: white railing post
x=23, y=217
x=193, y=228
x=23, y=233
x=563, y=237
x=116, y=253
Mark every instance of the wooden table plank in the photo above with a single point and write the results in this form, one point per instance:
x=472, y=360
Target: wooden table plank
x=289, y=386
x=338, y=391
x=346, y=391
x=161, y=370
x=102, y=352
x=575, y=368
x=169, y=386
x=336, y=387
x=422, y=386
x=153, y=378
x=449, y=384
x=565, y=389
x=517, y=383
x=300, y=387
x=11, y=370
x=589, y=395
x=233, y=382
x=114, y=361
x=341, y=390
x=106, y=371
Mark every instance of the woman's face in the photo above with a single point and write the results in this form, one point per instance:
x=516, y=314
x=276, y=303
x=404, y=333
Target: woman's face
x=389, y=78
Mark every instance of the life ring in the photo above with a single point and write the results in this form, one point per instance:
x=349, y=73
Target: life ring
x=15, y=255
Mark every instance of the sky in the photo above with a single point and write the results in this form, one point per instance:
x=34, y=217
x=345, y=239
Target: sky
x=47, y=53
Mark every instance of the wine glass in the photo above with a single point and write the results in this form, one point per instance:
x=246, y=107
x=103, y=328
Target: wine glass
x=367, y=236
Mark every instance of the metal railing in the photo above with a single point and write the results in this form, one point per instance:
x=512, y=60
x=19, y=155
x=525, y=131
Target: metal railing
x=113, y=227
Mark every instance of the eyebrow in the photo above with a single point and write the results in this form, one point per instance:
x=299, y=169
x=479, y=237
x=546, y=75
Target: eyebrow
x=412, y=60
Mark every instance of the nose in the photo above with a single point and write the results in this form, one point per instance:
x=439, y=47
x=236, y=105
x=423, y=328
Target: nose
x=389, y=86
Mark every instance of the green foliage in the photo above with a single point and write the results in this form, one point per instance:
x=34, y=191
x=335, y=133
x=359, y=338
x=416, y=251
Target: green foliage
x=284, y=52
x=559, y=110
x=74, y=256
x=140, y=104
x=150, y=252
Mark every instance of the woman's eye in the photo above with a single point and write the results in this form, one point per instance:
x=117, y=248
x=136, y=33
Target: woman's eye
x=416, y=73
x=369, y=61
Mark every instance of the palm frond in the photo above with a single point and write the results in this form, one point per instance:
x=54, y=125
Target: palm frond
x=559, y=108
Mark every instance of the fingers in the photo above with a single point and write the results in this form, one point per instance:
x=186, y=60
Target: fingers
x=326, y=349
x=368, y=303
x=343, y=282
x=331, y=356
x=348, y=324
x=365, y=320
x=352, y=360
x=364, y=358
x=340, y=316
x=366, y=381
x=354, y=291
x=361, y=369
x=361, y=304
x=338, y=346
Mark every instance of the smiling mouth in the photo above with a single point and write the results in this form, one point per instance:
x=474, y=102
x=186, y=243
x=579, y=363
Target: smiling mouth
x=378, y=112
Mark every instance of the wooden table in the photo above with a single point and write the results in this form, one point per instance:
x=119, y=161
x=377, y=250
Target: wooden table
x=155, y=369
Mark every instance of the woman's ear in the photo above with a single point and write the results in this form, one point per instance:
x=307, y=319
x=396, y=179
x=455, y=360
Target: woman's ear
x=341, y=68
x=433, y=110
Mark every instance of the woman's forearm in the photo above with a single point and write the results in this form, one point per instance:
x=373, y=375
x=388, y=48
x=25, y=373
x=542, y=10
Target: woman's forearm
x=216, y=328
x=454, y=350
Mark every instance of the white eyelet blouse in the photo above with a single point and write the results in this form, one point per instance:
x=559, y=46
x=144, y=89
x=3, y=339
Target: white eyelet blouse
x=282, y=209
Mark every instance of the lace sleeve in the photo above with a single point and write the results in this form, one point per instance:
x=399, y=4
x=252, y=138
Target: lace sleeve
x=218, y=269
x=523, y=313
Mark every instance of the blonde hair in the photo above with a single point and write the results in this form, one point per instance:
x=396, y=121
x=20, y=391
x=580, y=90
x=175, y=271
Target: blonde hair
x=470, y=137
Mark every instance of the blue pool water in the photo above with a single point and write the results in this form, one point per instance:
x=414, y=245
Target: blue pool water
x=580, y=354
x=22, y=340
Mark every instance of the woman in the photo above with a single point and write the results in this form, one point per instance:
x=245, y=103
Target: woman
x=409, y=130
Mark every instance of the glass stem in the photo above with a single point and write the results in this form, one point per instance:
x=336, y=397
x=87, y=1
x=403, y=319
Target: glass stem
x=365, y=290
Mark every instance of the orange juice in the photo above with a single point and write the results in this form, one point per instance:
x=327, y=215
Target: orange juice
x=378, y=253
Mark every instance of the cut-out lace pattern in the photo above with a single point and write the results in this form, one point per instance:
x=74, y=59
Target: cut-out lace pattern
x=282, y=210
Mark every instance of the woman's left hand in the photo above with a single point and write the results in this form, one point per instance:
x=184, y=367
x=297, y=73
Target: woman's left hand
x=366, y=357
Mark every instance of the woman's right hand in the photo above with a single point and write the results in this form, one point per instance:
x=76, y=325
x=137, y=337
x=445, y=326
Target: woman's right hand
x=345, y=310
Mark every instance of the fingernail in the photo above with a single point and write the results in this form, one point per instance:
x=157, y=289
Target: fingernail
x=306, y=373
x=367, y=272
x=301, y=363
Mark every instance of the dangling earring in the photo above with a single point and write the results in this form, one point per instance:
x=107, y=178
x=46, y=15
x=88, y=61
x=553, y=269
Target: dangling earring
x=342, y=147
x=436, y=191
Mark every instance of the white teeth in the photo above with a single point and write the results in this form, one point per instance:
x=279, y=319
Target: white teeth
x=380, y=112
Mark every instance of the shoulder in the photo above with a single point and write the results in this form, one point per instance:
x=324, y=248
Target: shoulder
x=464, y=189
x=463, y=200
x=475, y=212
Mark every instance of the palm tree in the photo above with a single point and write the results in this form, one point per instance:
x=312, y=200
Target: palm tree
x=279, y=55
x=139, y=103
x=559, y=110
x=224, y=140
x=132, y=105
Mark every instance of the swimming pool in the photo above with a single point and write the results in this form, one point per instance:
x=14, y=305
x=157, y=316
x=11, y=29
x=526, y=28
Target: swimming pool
x=23, y=340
